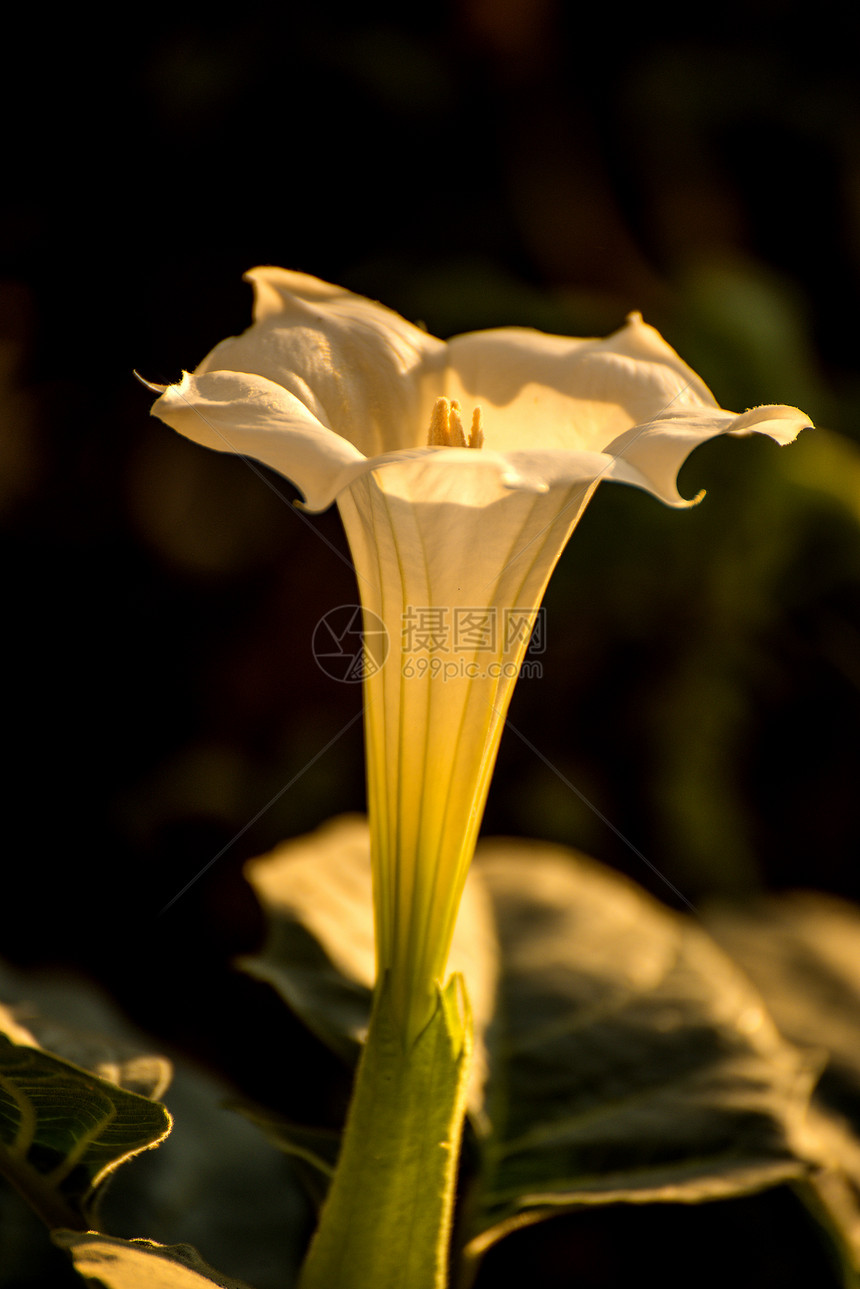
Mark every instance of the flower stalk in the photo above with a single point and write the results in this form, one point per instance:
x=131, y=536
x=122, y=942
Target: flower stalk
x=387, y=1218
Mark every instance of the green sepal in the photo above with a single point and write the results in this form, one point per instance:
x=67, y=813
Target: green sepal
x=387, y=1219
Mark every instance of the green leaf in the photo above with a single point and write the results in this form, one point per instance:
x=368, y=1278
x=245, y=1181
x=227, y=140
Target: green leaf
x=319, y=953
x=110, y=1057
x=802, y=950
x=140, y=1264
x=318, y=1146
x=630, y=1060
x=63, y=1130
x=313, y=1150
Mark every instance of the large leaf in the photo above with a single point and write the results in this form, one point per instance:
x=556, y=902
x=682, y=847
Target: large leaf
x=802, y=950
x=628, y=1058
x=319, y=953
x=140, y=1264
x=63, y=1130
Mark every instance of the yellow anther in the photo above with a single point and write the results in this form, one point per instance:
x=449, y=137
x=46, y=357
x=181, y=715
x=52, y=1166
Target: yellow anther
x=458, y=437
x=446, y=426
x=476, y=433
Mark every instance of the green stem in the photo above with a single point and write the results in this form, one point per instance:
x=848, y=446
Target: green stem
x=387, y=1220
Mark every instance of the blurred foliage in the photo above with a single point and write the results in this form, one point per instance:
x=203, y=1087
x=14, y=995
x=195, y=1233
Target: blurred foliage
x=211, y=1183
x=620, y=1055
x=64, y=1130
x=625, y=1062
x=802, y=951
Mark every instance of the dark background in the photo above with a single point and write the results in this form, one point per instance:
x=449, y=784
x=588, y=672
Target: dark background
x=471, y=164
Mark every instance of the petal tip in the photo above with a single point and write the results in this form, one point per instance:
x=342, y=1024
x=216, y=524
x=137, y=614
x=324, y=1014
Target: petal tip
x=149, y=384
x=276, y=288
x=779, y=421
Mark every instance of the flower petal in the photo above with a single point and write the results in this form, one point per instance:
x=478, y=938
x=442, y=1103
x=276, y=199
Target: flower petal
x=251, y=416
x=358, y=368
x=234, y=412
x=658, y=448
x=540, y=391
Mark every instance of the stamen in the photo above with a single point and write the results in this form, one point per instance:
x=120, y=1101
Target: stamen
x=458, y=438
x=446, y=426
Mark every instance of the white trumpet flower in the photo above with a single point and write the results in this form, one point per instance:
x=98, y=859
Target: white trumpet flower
x=460, y=470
